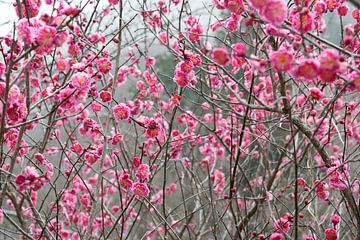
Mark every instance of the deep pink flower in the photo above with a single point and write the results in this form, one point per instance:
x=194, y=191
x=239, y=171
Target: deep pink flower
x=335, y=219
x=140, y=189
x=113, y=2
x=136, y=161
x=121, y=112
x=316, y=93
x=95, y=106
x=343, y=10
x=104, y=65
x=20, y=179
x=124, y=181
x=276, y=236
x=239, y=50
x=330, y=234
x=152, y=128
x=220, y=56
x=322, y=190
x=106, y=96
x=307, y=69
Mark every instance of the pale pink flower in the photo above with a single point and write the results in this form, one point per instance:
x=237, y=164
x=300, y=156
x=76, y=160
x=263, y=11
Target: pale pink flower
x=46, y=38
x=26, y=32
x=275, y=12
x=171, y=189
x=80, y=81
x=95, y=106
x=258, y=4
x=163, y=38
x=281, y=60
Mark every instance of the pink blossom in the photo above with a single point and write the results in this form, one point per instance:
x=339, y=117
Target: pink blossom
x=220, y=56
x=307, y=69
x=235, y=6
x=46, y=38
x=330, y=234
x=275, y=12
x=281, y=60
x=282, y=225
x=152, y=128
x=143, y=172
x=306, y=24
x=163, y=38
x=136, y=161
x=2, y=69
x=121, y=112
x=171, y=189
x=104, y=65
x=95, y=106
x=63, y=65
x=343, y=10
x=125, y=181
x=258, y=4
x=80, y=81
x=26, y=32
x=60, y=38
x=329, y=60
x=239, y=50
x=316, y=93
x=194, y=32
x=184, y=74
x=140, y=189
x=322, y=190
x=335, y=219
x=276, y=236
x=113, y=2
x=106, y=96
